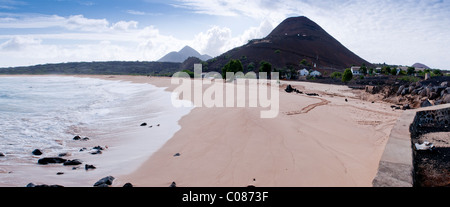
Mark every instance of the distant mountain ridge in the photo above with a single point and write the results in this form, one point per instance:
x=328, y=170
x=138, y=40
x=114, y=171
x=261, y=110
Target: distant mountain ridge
x=182, y=55
x=420, y=65
x=294, y=39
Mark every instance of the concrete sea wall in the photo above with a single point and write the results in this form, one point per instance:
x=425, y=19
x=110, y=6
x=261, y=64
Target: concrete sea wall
x=396, y=167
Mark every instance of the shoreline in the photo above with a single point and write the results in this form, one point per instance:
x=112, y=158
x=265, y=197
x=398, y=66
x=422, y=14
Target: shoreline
x=125, y=144
x=314, y=142
x=332, y=143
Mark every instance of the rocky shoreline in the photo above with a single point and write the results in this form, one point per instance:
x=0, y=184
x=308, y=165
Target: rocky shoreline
x=406, y=95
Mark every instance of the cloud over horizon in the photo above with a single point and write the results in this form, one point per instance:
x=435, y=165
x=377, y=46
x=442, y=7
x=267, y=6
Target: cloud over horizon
x=395, y=32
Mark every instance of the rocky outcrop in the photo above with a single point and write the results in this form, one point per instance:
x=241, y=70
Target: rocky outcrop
x=32, y=185
x=434, y=91
x=72, y=162
x=173, y=185
x=89, y=167
x=37, y=152
x=289, y=89
x=51, y=160
x=104, y=182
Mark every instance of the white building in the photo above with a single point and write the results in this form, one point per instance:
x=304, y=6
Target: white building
x=303, y=72
x=315, y=73
x=378, y=70
x=355, y=70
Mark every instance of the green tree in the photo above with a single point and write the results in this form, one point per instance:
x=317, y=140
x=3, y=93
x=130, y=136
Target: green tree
x=363, y=69
x=232, y=66
x=304, y=62
x=394, y=71
x=251, y=66
x=386, y=70
x=437, y=72
x=347, y=76
x=411, y=70
x=190, y=73
x=265, y=67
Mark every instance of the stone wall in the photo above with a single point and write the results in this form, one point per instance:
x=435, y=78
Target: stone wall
x=396, y=164
x=430, y=121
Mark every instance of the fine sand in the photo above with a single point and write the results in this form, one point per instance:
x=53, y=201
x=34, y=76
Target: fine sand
x=314, y=141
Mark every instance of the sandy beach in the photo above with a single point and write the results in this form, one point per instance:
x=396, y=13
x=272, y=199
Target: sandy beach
x=314, y=141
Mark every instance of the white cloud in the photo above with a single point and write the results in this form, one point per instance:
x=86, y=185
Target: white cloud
x=395, y=32
x=125, y=26
x=214, y=41
x=141, y=13
x=79, y=22
x=19, y=43
x=11, y=4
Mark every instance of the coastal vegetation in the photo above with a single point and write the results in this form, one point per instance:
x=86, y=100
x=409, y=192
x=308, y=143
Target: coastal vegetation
x=347, y=76
x=233, y=66
x=99, y=68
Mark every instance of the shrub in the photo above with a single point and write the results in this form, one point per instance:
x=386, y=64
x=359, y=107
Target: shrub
x=347, y=76
x=410, y=79
x=232, y=66
x=336, y=75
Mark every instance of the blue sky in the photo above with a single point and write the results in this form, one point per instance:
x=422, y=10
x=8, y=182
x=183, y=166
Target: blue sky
x=51, y=31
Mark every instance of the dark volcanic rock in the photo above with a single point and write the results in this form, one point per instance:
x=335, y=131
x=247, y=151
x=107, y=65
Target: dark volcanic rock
x=433, y=95
x=104, y=182
x=173, y=185
x=423, y=92
x=51, y=160
x=312, y=94
x=399, y=91
x=89, y=167
x=405, y=91
x=446, y=99
x=37, y=152
x=1, y=154
x=32, y=185
x=425, y=103
x=128, y=185
x=72, y=162
x=144, y=124
x=406, y=106
x=373, y=89
x=63, y=154
x=289, y=89
x=79, y=138
x=445, y=91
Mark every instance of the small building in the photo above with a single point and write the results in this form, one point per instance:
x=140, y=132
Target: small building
x=378, y=70
x=303, y=72
x=355, y=70
x=315, y=73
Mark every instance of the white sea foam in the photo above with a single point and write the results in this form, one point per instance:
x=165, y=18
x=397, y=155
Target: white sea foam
x=46, y=112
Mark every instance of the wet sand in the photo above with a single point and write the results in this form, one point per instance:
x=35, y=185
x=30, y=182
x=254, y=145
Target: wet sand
x=314, y=141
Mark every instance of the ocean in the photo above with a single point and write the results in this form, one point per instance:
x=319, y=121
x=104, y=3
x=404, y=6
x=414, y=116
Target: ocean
x=46, y=112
